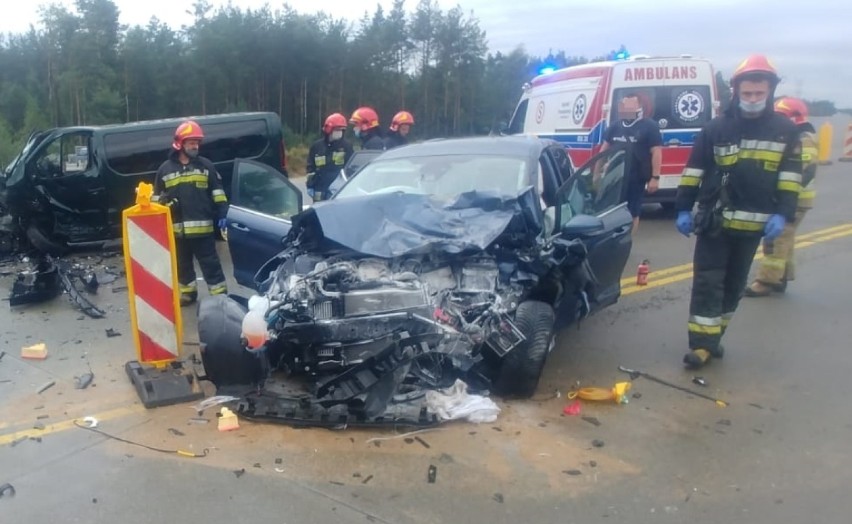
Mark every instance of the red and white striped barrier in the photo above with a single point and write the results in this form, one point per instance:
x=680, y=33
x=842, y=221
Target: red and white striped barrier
x=847, y=146
x=151, y=265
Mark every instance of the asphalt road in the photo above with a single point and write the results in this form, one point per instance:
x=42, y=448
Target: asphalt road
x=779, y=453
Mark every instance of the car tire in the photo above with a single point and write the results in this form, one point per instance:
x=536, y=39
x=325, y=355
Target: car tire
x=521, y=368
x=43, y=243
x=226, y=362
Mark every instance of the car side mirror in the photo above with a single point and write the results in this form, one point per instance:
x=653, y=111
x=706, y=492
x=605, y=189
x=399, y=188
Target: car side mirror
x=582, y=226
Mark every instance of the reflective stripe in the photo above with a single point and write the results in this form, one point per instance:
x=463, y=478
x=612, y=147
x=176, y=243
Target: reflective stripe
x=725, y=150
x=155, y=198
x=755, y=154
x=199, y=230
x=691, y=177
x=790, y=176
x=748, y=216
x=705, y=321
x=219, y=196
x=218, y=289
x=191, y=288
x=774, y=262
x=198, y=179
x=704, y=330
x=793, y=187
x=194, y=227
x=726, y=319
x=763, y=144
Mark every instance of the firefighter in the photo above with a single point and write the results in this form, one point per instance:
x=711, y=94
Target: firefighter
x=778, y=266
x=327, y=157
x=365, y=122
x=399, y=129
x=745, y=173
x=190, y=185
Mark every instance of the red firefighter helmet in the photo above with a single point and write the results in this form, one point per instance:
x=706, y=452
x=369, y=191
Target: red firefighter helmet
x=333, y=121
x=758, y=67
x=403, y=117
x=187, y=130
x=793, y=108
x=364, y=118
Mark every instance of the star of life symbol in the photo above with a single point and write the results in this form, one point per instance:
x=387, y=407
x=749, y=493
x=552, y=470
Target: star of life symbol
x=689, y=106
x=579, y=109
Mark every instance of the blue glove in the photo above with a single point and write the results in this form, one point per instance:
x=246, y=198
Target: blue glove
x=222, y=223
x=311, y=192
x=774, y=227
x=684, y=223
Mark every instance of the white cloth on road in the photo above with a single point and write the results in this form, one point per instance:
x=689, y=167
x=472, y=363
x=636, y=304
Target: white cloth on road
x=456, y=403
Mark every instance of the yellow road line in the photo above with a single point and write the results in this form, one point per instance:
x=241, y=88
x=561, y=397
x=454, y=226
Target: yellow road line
x=835, y=233
x=64, y=425
x=631, y=281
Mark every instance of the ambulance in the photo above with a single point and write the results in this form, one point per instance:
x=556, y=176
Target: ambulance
x=575, y=105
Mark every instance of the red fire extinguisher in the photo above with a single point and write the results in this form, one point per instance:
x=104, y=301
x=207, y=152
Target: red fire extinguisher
x=642, y=273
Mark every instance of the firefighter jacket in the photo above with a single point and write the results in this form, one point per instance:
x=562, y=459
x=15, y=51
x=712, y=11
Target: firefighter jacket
x=810, y=157
x=394, y=139
x=193, y=192
x=746, y=169
x=372, y=139
x=325, y=160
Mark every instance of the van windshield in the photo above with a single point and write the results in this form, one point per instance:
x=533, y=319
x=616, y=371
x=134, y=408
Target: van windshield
x=672, y=107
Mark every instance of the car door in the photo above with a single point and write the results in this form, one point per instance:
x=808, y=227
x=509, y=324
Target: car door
x=592, y=208
x=262, y=203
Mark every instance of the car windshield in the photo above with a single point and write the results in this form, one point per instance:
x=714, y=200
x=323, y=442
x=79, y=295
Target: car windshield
x=441, y=176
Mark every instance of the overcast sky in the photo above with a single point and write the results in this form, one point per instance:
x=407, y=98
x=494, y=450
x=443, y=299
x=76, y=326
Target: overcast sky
x=810, y=42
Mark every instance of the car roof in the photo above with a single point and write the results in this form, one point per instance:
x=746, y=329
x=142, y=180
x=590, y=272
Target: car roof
x=527, y=146
x=169, y=122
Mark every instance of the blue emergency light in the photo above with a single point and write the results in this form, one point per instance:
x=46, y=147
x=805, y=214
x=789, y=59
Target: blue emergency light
x=546, y=70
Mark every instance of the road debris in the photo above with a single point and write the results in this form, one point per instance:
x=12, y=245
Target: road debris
x=177, y=432
x=45, y=387
x=699, y=381
x=422, y=442
x=110, y=333
x=598, y=443
x=7, y=490
x=456, y=403
x=593, y=421
x=90, y=422
x=39, y=426
x=636, y=374
x=228, y=420
x=198, y=420
x=498, y=497
x=212, y=402
x=2, y=354
x=36, y=284
x=572, y=472
x=593, y=464
x=573, y=409
x=432, y=475
x=34, y=352
x=724, y=422
x=76, y=297
x=402, y=436
x=240, y=472
x=366, y=480
x=84, y=380
x=279, y=461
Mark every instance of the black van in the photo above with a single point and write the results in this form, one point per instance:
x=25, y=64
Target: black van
x=68, y=186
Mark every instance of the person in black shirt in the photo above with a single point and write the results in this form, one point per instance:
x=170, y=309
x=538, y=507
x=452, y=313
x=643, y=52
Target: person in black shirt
x=365, y=122
x=399, y=129
x=643, y=137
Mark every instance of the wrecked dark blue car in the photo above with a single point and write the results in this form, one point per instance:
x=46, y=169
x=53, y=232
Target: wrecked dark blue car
x=450, y=259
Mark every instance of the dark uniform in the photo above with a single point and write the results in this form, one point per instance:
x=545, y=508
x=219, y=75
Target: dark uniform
x=642, y=135
x=325, y=160
x=741, y=172
x=194, y=193
x=395, y=139
x=372, y=139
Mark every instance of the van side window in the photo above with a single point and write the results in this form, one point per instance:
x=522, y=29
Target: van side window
x=142, y=151
x=65, y=155
x=672, y=107
x=517, y=124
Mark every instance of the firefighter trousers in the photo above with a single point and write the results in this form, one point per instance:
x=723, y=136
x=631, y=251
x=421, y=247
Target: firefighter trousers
x=721, y=265
x=778, y=265
x=202, y=248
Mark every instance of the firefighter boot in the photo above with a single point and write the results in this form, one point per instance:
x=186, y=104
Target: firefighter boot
x=188, y=294
x=697, y=358
x=758, y=289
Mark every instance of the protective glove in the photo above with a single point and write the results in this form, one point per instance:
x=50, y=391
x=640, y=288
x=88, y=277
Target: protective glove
x=684, y=223
x=310, y=192
x=222, y=223
x=774, y=227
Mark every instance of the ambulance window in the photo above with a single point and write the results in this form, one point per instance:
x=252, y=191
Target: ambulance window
x=672, y=107
x=517, y=124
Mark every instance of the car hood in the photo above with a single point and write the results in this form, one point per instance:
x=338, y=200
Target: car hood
x=398, y=224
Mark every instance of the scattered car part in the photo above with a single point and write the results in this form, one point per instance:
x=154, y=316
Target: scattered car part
x=45, y=387
x=90, y=422
x=432, y=475
x=7, y=490
x=634, y=374
x=35, y=285
x=84, y=380
x=34, y=352
x=78, y=299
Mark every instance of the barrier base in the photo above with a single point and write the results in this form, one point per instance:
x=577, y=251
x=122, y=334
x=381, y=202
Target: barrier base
x=164, y=387
x=845, y=159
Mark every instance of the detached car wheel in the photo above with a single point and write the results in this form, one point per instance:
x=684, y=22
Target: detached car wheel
x=226, y=362
x=521, y=368
x=43, y=243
